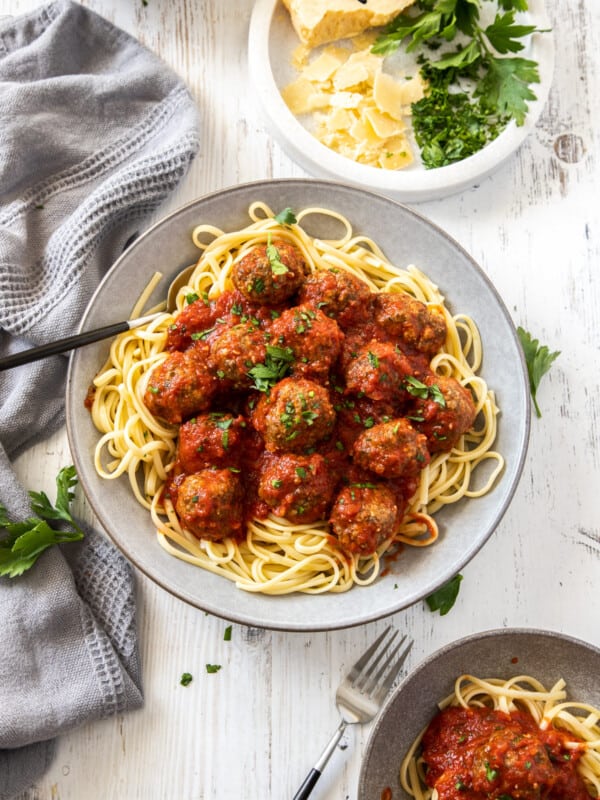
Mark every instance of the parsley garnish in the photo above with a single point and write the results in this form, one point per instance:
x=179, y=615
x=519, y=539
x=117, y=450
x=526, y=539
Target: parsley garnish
x=286, y=217
x=25, y=541
x=444, y=598
x=277, y=265
x=186, y=679
x=213, y=667
x=227, y=634
x=449, y=124
x=417, y=388
x=276, y=365
x=538, y=359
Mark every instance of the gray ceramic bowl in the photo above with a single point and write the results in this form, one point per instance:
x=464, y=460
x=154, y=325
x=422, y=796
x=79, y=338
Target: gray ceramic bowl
x=406, y=237
x=503, y=653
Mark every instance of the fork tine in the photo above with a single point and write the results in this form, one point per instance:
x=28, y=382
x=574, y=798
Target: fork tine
x=358, y=669
x=382, y=688
x=373, y=678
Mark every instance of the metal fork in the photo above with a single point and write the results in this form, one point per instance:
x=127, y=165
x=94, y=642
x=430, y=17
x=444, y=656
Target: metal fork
x=361, y=694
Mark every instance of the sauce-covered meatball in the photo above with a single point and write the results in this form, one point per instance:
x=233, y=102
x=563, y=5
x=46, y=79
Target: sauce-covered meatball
x=315, y=340
x=363, y=517
x=209, y=504
x=420, y=327
x=392, y=449
x=339, y=294
x=194, y=318
x=445, y=414
x=234, y=351
x=181, y=385
x=270, y=273
x=294, y=416
x=296, y=487
x=210, y=440
x=379, y=371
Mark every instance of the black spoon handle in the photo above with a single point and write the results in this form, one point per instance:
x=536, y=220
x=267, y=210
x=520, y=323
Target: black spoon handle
x=71, y=342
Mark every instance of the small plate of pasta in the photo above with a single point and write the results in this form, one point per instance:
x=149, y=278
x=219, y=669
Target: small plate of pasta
x=335, y=403
x=508, y=713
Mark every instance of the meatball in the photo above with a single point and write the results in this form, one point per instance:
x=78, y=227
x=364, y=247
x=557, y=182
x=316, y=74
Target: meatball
x=392, y=449
x=420, y=327
x=196, y=317
x=363, y=517
x=181, y=386
x=234, y=351
x=297, y=487
x=294, y=416
x=444, y=414
x=209, y=504
x=339, y=294
x=314, y=339
x=379, y=371
x=208, y=440
x=270, y=273
x=512, y=763
x=357, y=414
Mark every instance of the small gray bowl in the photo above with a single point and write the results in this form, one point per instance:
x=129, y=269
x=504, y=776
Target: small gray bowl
x=503, y=653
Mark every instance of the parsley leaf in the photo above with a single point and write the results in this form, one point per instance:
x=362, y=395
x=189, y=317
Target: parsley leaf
x=539, y=359
x=25, y=541
x=213, y=668
x=286, y=217
x=186, y=679
x=277, y=265
x=275, y=367
x=478, y=89
x=505, y=86
x=444, y=598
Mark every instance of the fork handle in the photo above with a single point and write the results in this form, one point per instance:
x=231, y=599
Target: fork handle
x=313, y=776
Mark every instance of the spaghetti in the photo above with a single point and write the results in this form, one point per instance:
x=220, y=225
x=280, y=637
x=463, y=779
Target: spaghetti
x=277, y=556
x=498, y=738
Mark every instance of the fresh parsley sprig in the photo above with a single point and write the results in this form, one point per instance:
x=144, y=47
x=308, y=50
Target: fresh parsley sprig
x=539, y=359
x=501, y=80
x=24, y=542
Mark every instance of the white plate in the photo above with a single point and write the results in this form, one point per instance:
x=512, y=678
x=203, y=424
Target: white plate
x=272, y=41
x=405, y=237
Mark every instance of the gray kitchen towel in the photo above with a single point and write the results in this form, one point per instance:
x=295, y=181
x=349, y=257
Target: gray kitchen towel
x=95, y=132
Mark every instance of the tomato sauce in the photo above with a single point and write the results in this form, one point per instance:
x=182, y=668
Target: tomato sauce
x=484, y=754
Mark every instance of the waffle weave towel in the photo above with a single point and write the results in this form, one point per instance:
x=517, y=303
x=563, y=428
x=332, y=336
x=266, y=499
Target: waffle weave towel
x=95, y=133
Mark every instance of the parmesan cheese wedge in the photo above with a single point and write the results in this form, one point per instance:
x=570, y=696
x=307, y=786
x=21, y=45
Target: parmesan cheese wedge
x=320, y=21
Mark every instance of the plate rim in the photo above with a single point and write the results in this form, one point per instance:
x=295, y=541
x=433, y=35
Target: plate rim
x=241, y=616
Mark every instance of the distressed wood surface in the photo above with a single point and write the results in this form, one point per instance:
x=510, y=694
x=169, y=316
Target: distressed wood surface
x=252, y=730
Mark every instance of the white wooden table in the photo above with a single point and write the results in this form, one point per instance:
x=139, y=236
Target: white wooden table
x=253, y=729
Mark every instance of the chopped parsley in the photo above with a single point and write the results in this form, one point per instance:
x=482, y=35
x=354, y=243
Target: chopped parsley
x=286, y=217
x=186, y=679
x=227, y=634
x=277, y=265
x=211, y=668
x=275, y=367
x=417, y=388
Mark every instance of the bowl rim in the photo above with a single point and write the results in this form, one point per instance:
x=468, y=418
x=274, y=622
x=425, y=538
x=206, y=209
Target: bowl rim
x=412, y=185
